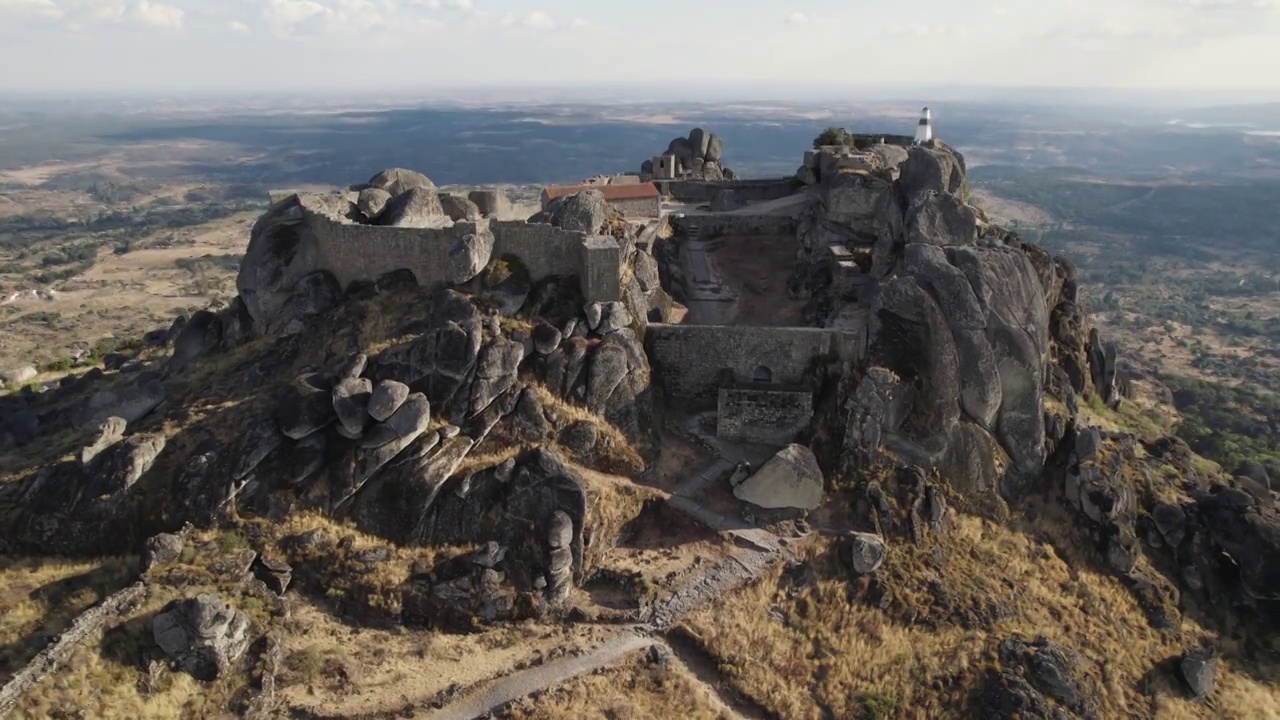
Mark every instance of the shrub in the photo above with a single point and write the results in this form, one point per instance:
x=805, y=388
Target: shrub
x=832, y=136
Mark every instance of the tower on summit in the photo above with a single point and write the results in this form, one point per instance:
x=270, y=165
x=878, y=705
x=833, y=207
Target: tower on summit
x=924, y=130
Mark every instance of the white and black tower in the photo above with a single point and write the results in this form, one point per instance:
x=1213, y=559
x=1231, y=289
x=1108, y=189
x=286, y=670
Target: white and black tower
x=924, y=129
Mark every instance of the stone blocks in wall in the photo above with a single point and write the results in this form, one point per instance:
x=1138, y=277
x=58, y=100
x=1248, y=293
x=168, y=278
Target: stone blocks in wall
x=601, y=269
x=691, y=358
x=763, y=415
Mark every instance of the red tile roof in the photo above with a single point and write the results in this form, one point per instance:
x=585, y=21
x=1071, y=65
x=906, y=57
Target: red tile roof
x=611, y=193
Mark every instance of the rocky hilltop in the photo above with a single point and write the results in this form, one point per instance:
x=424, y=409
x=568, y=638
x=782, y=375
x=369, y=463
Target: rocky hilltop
x=496, y=447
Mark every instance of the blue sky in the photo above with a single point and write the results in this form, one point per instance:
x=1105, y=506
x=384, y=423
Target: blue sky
x=371, y=45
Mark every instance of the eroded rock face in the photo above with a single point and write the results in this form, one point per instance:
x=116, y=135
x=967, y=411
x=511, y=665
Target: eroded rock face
x=202, y=636
x=280, y=253
x=968, y=327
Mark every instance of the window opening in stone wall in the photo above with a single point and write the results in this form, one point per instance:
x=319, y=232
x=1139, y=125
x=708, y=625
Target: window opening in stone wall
x=762, y=375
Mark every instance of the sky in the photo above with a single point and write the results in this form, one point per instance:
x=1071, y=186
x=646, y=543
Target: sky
x=355, y=46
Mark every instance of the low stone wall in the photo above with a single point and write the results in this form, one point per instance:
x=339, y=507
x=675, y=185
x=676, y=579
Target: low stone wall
x=702, y=191
x=691, y=359
x=88, y=623
x=763, y=415
x=713, y=226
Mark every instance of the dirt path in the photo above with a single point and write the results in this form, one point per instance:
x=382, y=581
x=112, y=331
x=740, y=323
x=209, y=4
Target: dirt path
x=512, y=687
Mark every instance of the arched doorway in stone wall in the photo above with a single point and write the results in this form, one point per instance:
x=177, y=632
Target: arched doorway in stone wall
x=762, y=374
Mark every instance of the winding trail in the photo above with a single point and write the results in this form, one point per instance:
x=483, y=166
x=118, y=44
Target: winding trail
x=754, y=551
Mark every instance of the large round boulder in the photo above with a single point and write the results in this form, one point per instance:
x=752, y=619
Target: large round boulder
x=398, y=181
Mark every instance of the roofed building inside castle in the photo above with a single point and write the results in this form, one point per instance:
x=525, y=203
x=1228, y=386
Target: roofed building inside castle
x=633, y=200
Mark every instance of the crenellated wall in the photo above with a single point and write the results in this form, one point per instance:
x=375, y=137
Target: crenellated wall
x=691, y=358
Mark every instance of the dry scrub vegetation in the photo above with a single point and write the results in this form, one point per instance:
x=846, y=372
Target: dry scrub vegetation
x=927, y=653
x=634, y=690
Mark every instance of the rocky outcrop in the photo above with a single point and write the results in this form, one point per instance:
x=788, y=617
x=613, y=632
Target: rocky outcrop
x=966, y=322
x=1039, y=680
x=397, y=181
x=415, y=208
x=699, y=156
x=202, y=636
x=585, y=212
x=458, y=208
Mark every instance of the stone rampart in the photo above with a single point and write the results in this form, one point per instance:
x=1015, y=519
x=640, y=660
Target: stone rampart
x=766, y=416
x=719, y=225
x=353, y=251
x=545, y=250
x=703, y=191
x=692, y=359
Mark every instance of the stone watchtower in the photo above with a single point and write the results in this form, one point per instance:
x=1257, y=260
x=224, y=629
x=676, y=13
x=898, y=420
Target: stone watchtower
x=664, y=167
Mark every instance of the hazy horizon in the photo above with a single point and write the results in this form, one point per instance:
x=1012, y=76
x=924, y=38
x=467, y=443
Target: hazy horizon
x=336, y=47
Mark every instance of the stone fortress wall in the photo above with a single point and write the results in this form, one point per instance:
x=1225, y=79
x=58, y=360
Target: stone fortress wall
x=704, y=191
x=718, y=225
x=764, y=414
x=352, y=251
x=690, y=358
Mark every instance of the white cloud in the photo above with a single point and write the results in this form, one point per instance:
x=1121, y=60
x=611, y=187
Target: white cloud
x=108, y=10
x=581, y=24
x=291, y=12
x=32, y=8
x=157, y=14
x=539, y=20
x=798, y=18
x=238, y=27
x=460, y=4
x=921, y=31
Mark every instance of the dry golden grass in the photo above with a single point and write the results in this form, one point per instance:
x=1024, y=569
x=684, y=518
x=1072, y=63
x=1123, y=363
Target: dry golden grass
x=337, y=669
x=613, y=452
x=41, y=596
x=114, y=675
x=106, y=679
x=635, y=690
x=846, y=654
x=331, y=566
